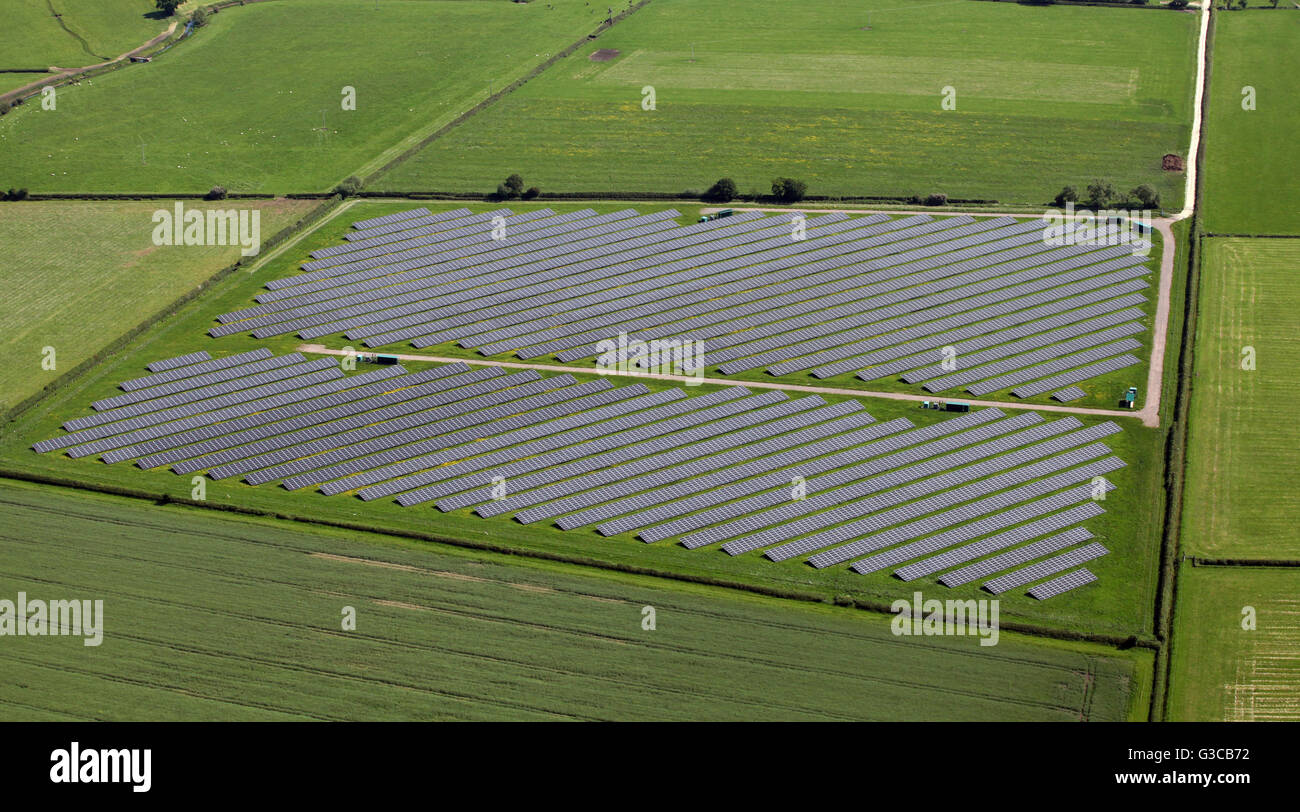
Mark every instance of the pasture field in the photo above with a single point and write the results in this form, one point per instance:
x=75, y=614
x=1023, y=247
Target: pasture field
x=82, y=273
x=1250, y=162
x=1045, y=97
x=92, y=31
x=1120, y=604
x=231, y=107
x=213, y=617
x=1241, y=498
x=1222, y=671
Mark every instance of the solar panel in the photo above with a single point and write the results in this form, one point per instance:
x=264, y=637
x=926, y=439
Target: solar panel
x=1049, y=566
x=179, y=361
x=1068, y=394
x=1020, y=555
x=1062, y=583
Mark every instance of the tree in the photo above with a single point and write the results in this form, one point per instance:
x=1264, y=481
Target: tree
x=199, y=17
x=721, y=192
x=167, y=6
x=1066, y=195
x=1100, y=194
x=531, y=192
x=1147, y=197
x=788, y=190
x=515, y=184
x=5, y=107
x=938, y=199
x=349, y=187
x=216, y=193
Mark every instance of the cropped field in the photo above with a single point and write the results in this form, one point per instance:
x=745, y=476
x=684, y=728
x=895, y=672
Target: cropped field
x=208, y=617
x=1241, y=501
x=1045, y=97
x=1250, y=160
x=95, y=30
x=1223, y=672
x=252, y=102
x=1120, y=604
x=83, y=273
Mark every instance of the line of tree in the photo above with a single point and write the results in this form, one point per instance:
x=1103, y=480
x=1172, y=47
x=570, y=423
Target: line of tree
x=1101, y=194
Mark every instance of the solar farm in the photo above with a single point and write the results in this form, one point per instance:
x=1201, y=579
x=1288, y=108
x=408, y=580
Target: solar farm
x=872, y=297
x=572, y=437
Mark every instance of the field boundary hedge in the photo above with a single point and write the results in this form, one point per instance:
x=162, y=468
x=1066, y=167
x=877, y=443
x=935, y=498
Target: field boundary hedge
x=508, y=89
x=1283, y=563
x=167, y=310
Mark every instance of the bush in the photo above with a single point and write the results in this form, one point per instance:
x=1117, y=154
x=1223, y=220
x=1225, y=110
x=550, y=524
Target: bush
x=531, y=192
x=936, y=200
x=1177, y=4
x=1100, y=194
x=14, y=194
x=1066, y=195
x=216, y=193
x=724, y=191
x=199, y=17
x=349, y=187
x=788, y=190
x=5, y=107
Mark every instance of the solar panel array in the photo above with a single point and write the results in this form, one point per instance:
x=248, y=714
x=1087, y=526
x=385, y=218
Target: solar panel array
x=989, y=298
x=969, y=495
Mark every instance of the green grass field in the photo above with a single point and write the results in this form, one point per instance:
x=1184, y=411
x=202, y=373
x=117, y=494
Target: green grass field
x=209, y=617
x=92, y=31
x=1045, y=97
x=89, y=271
x=242, y=104
x=1240, y=501
x=1222, y=671
x=1120, y=604
x=1251, y=163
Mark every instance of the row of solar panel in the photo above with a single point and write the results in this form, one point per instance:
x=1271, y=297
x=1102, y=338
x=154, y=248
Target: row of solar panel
x=652, y=441
x=510, y=318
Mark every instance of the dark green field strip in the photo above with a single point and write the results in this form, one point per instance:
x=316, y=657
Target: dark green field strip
x=571, y=634
x=57, y=676
x=516, y=640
